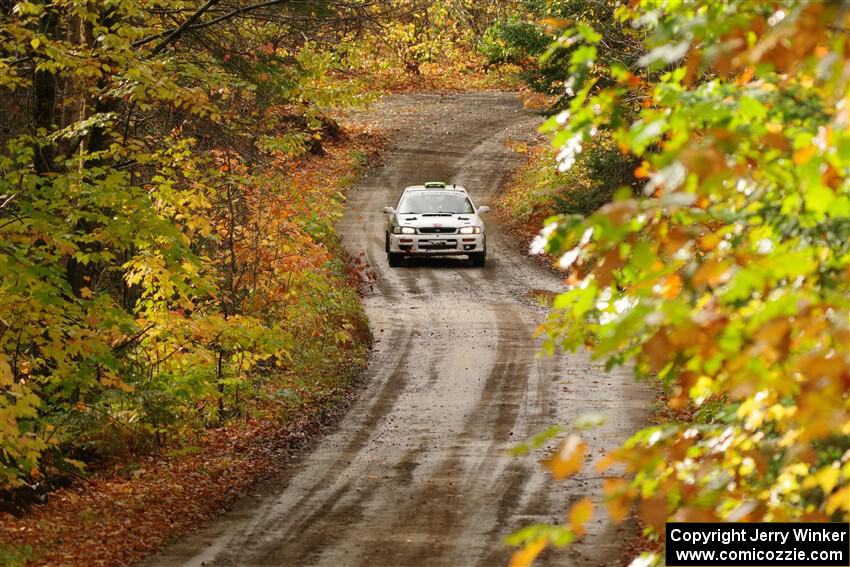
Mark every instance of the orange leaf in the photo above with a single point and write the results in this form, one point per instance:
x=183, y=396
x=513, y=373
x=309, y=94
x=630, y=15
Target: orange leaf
x=678, y=451
x=658, y=350
x=643, y=171
x=604, y=270
x=803, y=155
x=747, y=75
x=567, y=460
x=775, y=334
x=555, y=23
x=619, y=498
x=675, y=239
x=775, y=140
x=526, y=556
x=705, y=162
x=711, y=273
x=692, y=63
x=580, y=514
x=815, y=366
x=620, y=211
x=653, y=512
x=671, y=287
x=606, y=462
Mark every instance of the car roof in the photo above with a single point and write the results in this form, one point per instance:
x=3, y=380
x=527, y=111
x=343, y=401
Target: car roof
x=432, y=185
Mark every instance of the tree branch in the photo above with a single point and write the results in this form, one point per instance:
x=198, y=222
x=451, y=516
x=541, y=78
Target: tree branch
x=190, y=24
x=178, y=31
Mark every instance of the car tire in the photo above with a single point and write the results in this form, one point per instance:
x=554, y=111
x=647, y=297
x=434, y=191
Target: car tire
x=394, y=259
x=478, y=259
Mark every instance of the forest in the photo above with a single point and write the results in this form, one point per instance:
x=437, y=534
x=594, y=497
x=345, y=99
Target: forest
x=172, y=171
x=162, y=255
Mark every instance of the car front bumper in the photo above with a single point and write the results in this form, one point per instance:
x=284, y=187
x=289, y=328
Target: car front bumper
x=436, y=244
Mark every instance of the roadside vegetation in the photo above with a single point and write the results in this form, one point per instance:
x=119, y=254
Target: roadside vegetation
x=172, y=290
x=720, y=271
x=176, y=309
x=541, y=189
x=431, y=45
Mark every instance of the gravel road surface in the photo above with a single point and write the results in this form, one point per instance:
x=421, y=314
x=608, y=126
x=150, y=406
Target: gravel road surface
x=417, y=473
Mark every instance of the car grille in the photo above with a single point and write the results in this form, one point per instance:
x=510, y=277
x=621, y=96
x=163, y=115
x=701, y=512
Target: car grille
x=437, y=230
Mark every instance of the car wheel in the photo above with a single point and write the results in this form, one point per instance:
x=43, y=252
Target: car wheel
x=394, y=259
x=478, y=259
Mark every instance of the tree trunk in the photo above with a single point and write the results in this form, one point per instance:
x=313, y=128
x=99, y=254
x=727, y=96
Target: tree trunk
x=44, y=94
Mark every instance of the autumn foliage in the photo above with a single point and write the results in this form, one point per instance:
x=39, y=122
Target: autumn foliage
x=164, y=255
x=727, y=279
x=168, y=259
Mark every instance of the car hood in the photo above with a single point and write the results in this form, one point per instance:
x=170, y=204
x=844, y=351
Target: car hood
x=438, y=219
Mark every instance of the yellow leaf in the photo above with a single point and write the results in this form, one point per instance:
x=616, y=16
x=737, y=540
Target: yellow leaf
x=567, y=460
x=580, y=514
x=85, y=293
x=839, y=500
x=6, y=376
x=774, y=127
x=709, y=241
x=827, y=478
x=35, y=42
x=526, y=556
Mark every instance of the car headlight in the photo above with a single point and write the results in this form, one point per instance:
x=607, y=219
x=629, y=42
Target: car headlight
x=404, y=230
x=470, y=230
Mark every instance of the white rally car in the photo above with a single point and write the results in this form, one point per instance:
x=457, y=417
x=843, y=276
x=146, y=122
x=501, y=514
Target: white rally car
x=435, y=219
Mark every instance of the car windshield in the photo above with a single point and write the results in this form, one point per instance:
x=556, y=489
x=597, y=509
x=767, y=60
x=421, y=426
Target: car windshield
x=418, y=202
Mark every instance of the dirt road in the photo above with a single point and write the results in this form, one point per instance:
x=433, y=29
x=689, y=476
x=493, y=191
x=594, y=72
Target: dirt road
x=417, y=473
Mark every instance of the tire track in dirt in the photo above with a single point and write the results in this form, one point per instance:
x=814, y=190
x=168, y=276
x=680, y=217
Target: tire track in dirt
x=418, y=474
x=498, y=402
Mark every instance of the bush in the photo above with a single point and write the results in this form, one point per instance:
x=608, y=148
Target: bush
x=601, y=169
x=540, y=190
x=512, y=41
x=523, y=39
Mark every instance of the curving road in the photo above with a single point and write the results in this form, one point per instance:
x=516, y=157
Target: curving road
x=417, y=474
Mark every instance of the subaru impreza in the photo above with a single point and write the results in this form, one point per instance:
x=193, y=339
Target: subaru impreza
x=435, y=219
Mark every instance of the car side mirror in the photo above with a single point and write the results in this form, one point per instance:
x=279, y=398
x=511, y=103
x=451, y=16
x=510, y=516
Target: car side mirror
x=389, y=210
x=483, y=209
